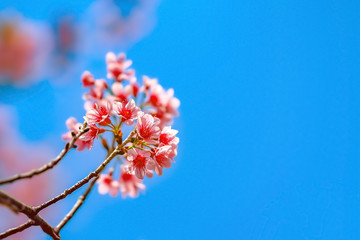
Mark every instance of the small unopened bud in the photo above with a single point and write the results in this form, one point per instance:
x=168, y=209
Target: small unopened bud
x=111, y=171
x=118, y=137
x=104, y=143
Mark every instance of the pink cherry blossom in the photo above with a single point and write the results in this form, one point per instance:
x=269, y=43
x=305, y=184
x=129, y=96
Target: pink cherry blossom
x=96, y=90
x=87, y=79
x=72, y=124
x=129, y=183
x=167, y=136
x=171, y=103
x=120, y=92
x=152, y=145
x=140, y=162
x=135, y=89
x=167, y=109
x=149, y=82
x=147, y=127
x=127, y=111
x=117, y=67
x=100, y=114
x=157, y=95
x=108, y=185
x=163, y=156
x=86, y=140
x=90, y=136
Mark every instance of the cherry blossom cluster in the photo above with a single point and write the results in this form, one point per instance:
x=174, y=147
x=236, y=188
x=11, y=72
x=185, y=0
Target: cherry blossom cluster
x=121, y=104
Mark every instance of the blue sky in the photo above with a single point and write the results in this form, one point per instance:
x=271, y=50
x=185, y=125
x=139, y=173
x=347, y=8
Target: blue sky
x=269, y=125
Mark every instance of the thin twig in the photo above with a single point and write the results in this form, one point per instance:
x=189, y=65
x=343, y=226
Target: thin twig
x=79, y=184
x=76, y=207
x=67, y=192
x=51, y=164
x=20, y=228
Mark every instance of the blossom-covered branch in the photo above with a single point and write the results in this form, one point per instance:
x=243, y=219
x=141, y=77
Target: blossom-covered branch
x=144, y=112
x=52, y=163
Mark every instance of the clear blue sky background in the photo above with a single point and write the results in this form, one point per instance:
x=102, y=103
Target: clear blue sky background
x=269, y=126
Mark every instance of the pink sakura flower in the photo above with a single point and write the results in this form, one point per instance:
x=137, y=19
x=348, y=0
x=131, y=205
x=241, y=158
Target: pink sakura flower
x=156, y=96
x=140, y=162
x=108, y=185
x=117, y=67
x=129, y=183
x=120, y=92
x=166, y=107
x=73, y=125
x=134, y=86
x=88, y=105
x=163, y=156
x=96, y=90
x=147, y=127
x=91, y=135
x=148, y=83
x=167, y=136
x=87, y=79
x=171, y=103
x=128, y=111
x=99, y=114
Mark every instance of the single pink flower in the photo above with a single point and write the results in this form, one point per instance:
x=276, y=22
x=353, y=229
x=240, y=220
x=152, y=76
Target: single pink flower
x=120, y=92
x=135, y=87
x=163, y=156
x=128, y=111
x=166, y=105
x=100, y=114
x=129, y=183
x=171, y=103
x=117, y=67
x=167, y=136
x=156, y=95
x=90, y=136
x=108, y=185
x=88, y=105
x=87, y=79
x=96, y=90
x=74, y=126
x=148, y=83
x=140, y=162
x=147, y=127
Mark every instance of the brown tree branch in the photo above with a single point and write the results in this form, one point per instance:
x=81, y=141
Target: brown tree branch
x=32, y=212
x=51, y=164
x=82, y=198
x=20, y=228
x=20, y=207
x=67, y=192
x=79, y=184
